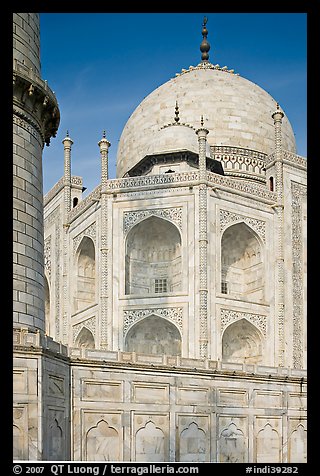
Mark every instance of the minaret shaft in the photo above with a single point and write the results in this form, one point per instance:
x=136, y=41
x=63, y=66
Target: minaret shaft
x=203, y=243
x=104, y=290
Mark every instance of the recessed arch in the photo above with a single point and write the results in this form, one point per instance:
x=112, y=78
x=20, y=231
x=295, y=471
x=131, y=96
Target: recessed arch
x=242, y=342
x=153, y=258
x=85, y=339
x=150, y=443
x=268, y=445
x=154, y=335
x=85, y=294
x=102, y=443
x=242, y=267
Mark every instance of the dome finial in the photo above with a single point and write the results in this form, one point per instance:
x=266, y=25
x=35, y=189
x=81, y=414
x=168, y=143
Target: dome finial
x=177, y=118
x=205, y=46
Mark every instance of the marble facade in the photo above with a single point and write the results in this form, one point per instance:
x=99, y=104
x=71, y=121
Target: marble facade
x=171, y=301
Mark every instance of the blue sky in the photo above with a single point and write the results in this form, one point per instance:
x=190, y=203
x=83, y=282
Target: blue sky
x=102, y=65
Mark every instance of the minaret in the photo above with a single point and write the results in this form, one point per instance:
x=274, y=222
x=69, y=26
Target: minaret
x=67, y=143
x=35, y=120
x=104, y=145
x=279, y=210
x=202, y=133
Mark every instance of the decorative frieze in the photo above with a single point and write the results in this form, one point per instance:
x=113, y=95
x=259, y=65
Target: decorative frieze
x=228, y=316
x=288, y=158
x=228, y=218
x=242, y=162
x=131, y=316
x=191, y=178
x=22, y=120
x=299, y=192
x=243, y=187
x=54, y=220
x=47, y=256
x=132, y=218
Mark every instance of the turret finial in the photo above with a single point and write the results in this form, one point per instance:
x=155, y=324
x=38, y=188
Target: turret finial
x=205, y=46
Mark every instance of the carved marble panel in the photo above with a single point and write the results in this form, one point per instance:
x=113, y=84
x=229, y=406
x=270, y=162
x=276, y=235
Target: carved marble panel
x=194, y=439
x=143, y=392
x=268, y=440
x=267, y=399
x=90, y=231
x=297, y=442
x=132, y=218
x=99, y=390
x=56, y=386
x=232, y=397
x=189, y=395
x=56, y=435
x=173, y=314
x=228, y=218
x=20, y=436
x=103, y=436
x=232, y=440
x=151, y=437
x=227, y=316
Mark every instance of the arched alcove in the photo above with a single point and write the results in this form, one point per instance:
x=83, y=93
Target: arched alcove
x=298, y=445
x=56, y=441
x=154, y=335
x=242, y=270
x=153, y=258
x=18, y=446
x=268, y=445
x=85, y=339
x=242, y=342
x=193, y=444
x=102, y=443
x=150, y=442
x=86, y=275
x=232, y=445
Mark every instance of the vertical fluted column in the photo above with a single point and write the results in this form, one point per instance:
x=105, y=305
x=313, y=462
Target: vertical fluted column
x=104, y=145
x=203, y=241
x=277, y=117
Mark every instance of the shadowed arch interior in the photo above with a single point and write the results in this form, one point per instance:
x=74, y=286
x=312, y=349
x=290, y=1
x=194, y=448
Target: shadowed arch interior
x=154, y=335
x=242, y=342
x=242, y=270
x=153, y=258
x=86, y=274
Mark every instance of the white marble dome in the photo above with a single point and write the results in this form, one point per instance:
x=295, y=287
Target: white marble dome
x=236, y=112
x=173, y=138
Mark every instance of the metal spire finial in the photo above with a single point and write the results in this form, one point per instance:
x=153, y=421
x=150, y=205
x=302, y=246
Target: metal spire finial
x=205, y=46
x=104, y=134
x=177, y=118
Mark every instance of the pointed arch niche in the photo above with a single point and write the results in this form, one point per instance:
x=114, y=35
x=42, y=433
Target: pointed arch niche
x=242, y=343
x=242, y=268
x=85, y=339
x=153, y=258
x=153, y=335
x=85, y=294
